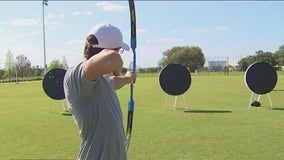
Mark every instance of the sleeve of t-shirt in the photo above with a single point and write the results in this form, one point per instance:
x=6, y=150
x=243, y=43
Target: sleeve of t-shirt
x=77, y=82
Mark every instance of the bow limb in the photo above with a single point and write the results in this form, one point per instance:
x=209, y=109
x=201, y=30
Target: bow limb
x=133, y=47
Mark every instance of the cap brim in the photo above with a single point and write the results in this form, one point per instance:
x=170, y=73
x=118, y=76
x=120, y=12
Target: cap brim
x=125, y=47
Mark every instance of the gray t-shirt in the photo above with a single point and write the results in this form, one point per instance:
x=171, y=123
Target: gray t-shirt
x=97, y=114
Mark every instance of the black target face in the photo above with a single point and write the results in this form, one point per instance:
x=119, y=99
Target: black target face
x=260, y=77
x=174, y=79
x=53, y=83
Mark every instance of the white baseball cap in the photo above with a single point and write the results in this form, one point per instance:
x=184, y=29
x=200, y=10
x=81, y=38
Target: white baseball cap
x=108, y=37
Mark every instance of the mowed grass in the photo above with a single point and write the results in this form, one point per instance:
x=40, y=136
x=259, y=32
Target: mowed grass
x=215, y=123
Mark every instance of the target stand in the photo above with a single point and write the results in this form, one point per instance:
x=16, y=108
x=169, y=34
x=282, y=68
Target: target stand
x=257, y=103
x=175, y=80
x=260, y=78
x=175, y=102
x=53, y=86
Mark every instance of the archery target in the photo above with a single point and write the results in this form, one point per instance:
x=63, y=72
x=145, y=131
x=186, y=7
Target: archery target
x=174, y=79
x=53, y=83
x=260, y=77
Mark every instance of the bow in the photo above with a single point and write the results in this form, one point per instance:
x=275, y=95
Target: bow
x=133, y=47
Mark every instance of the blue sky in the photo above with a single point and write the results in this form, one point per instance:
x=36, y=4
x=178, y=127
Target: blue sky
x=233, y=29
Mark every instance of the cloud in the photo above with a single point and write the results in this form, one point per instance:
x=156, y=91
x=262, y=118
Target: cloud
x=61, y=16
x=78, y=13
x=53, y=16
x=111, y=7
x=170, y=40
x=166, y=41
x=74, y=42
x=262, y=38
x=28, y=34
x=207, y=30
x=24, y=22
x=33, y=33
x=221, y=28
x=50, y=16
x=3, y=22
x=2, y=29
x=200, y=30
x=174, y=31
x=54, y=19
x=18, y=22
x=150, y=41
x=142, y=31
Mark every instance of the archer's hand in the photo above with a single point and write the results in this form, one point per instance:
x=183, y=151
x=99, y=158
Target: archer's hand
x=131, y=76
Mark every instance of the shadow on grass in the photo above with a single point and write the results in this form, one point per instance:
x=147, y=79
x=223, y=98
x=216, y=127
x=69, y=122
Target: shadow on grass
x=269, y=107
x=206, y=111
x=278, y=90
x=66, y=114
x=278, y=109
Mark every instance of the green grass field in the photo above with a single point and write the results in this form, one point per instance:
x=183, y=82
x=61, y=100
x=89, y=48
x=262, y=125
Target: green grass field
x=216, y=123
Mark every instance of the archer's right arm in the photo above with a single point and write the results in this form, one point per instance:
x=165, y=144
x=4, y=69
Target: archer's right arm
x=107, y=61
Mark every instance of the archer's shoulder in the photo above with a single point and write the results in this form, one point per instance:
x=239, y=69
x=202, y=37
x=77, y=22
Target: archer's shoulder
x=110, y=52
x=107, y=61
x=110, y=56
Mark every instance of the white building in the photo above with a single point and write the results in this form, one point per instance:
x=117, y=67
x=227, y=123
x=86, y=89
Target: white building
x=217, y=65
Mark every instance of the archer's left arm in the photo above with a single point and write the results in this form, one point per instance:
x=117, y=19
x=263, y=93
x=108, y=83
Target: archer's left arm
x=120, y=81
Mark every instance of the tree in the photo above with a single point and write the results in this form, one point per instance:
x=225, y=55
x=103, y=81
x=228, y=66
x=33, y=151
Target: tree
x=246, y=62
x=279, y=56
x=54, y=64
x=267, y=57
x=260, y=56
x=37, y=71
x=23, y=66
x=64, y=63
x=57, y=64
x=190, y=57
x=2, y=71
x=10, y=64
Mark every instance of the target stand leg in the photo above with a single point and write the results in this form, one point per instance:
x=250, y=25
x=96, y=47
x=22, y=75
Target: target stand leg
x=185, y=104
x=165, y=102
x=251, y=99
x=258, y=99
x=175, y=102
x=61, y=104
x=254, y=103
x=270, y=100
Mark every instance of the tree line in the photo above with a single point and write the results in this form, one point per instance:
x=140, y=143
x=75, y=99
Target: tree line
x=20, y=67
x=276, y=58
x=191, y=57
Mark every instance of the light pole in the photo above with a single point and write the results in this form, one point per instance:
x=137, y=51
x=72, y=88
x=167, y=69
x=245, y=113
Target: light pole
x=44, y=3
